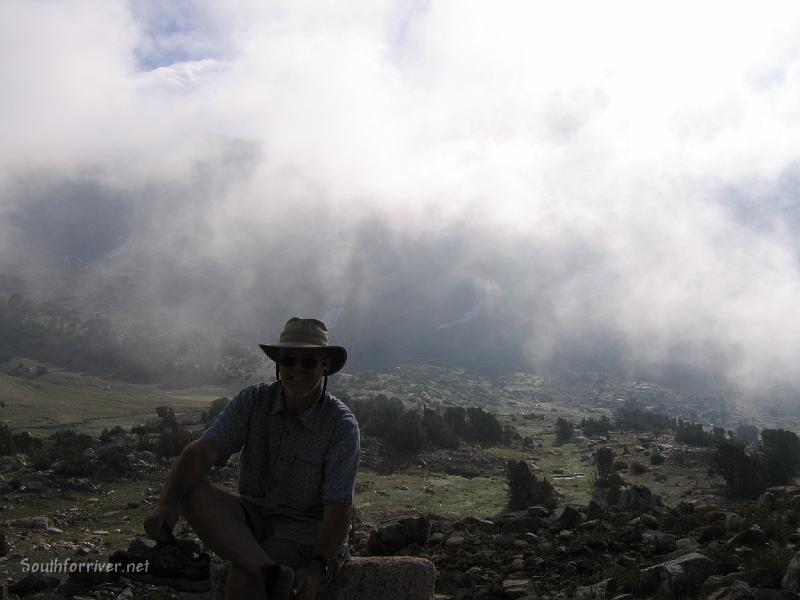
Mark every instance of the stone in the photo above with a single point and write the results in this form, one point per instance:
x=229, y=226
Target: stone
x=568, y=517
x=675, y=577
x=454, y=541
x=473, y=524
x=659, y=541
x=749, y=537
x=637, y=497
x=596, y=591
x=54, y=531
x=364, y=578
x=395, y=536
x=517, y=588
x=35, y=582
x=738, y=591
x=791, y=579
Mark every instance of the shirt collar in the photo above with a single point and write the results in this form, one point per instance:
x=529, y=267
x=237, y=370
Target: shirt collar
x=309, y=418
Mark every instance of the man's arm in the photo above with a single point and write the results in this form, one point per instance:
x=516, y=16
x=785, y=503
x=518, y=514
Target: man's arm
x=191, y=466
x=335, y=526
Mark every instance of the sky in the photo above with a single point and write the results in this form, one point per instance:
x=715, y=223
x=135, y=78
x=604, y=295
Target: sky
x=609, y=186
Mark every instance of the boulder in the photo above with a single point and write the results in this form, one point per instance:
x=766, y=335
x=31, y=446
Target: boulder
x=675, y=577
x=791, y=579
x=395, y=536
x=637, y=497
x=364, y=578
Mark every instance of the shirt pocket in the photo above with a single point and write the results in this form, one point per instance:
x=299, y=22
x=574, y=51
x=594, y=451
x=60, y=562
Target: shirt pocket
x=305, y=477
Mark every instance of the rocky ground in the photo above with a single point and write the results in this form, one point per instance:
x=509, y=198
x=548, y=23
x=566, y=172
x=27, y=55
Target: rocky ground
x=636, y=549
x=700, y=547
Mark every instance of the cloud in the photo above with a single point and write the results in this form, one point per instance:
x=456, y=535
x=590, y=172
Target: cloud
x=607, y=186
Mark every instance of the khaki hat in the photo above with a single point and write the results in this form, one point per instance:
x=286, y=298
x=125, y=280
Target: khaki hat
x=307, y=333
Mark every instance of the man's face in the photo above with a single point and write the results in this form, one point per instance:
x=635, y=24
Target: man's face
x=297, y=378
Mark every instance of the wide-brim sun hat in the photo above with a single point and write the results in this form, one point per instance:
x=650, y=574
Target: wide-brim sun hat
x=307, y=333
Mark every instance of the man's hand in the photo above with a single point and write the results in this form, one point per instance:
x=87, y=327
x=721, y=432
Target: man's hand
x=306, y=581
x=162, y=515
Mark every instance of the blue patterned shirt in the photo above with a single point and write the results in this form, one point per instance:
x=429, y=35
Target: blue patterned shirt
x=291, y=467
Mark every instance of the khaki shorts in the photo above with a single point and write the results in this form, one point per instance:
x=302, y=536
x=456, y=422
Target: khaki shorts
x=286, y=552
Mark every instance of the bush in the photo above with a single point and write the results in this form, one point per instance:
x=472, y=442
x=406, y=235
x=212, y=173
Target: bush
x=115, y=459
x=482, y=426
x=595, y=426
x=656, y=458
x=524, y=489
x=42, y=458
x=108, y=435
x=171, y=443
x=7, y=445
x=217, y=406
x=638, y=468
x=782, y=449
x=564, y=431
x=603, y=459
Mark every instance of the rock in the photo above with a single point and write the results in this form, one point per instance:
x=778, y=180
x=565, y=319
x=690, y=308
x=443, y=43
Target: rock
x=31, y=523
x=520, y=524
x=659, y=542
x=596, y=591
x=454, y=541
x=517, y=588
x=568, y=517
x=749, y=537
x=54, y=531
x=473, y=524
x=738, y=591
x=35, y=582
x=679, y=576
x=637, y=497
x=364, y=578
x=397, y=535
x=791, y=579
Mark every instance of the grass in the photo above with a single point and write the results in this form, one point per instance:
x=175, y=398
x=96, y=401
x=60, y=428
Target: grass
x=453, y=496
x=60, y=399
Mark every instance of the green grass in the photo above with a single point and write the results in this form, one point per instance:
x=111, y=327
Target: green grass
x=86, y=403
x=453, y=496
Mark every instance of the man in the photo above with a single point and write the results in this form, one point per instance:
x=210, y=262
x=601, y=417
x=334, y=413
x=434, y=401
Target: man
x=286, y=531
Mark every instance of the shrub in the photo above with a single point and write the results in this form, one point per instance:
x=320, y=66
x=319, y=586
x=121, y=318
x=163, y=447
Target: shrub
x=115, y=458
x=7, y=445
x=171, y=443
x=108, y=434
x=638, y=468
x=482, y=426
x=524, y=489
x=596, y=426
x=42, y=458
x=564, y=431
x=656, y=458
x=603, y=459
x=217, y=406
x=620, y=465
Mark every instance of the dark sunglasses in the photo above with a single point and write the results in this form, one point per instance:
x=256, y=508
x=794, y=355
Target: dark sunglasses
x=292, y=362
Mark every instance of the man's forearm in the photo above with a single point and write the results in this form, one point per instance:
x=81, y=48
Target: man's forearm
x=190, y=467
x=334, y=528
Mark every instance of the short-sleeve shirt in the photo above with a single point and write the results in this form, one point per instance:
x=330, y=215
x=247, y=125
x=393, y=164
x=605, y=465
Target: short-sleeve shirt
x=291, y=467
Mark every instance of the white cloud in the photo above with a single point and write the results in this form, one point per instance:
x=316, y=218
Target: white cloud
x=617, y=134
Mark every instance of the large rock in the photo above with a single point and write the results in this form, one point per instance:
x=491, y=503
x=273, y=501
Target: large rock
x=675, y=577
x=365, y=578
x=791, y=579
x=637, y=497
x=395, y=536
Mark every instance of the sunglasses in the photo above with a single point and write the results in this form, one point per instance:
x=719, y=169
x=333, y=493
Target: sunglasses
x=293, y=362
